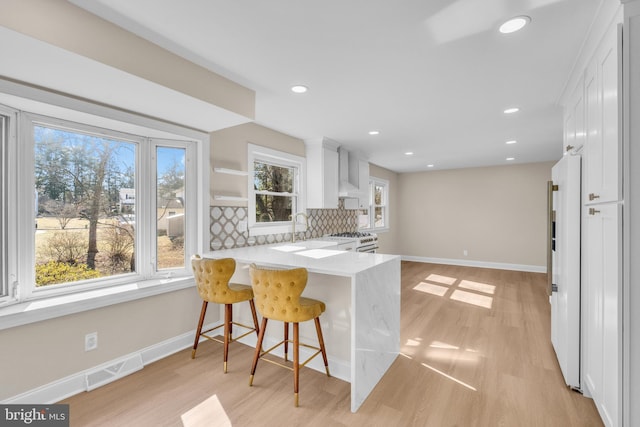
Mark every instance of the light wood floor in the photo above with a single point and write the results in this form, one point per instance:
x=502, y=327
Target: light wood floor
x=475, y=352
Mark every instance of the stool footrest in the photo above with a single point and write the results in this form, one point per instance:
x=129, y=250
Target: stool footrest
x=269, y=350
x=251, y=329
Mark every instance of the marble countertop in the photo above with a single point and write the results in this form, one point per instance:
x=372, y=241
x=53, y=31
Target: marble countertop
x=317, y=256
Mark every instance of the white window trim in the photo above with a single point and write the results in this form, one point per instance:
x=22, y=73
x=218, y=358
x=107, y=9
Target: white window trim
x=15, y=312
x=372, y=183
x=257, y=152
x=9, y=213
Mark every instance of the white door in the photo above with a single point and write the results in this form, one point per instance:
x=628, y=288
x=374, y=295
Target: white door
x=565, y=299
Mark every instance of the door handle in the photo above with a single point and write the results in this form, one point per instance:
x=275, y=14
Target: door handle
x=593, y=211
x=593, y=196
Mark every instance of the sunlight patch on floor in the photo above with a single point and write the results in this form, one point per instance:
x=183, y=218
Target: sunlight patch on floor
x=462, y=383
x=441, y=279
x=440, y=344
x=209, y=412
x=477, y=286
x=413, y=343
x=471, y=298
x=443, y=352
x=430, y=288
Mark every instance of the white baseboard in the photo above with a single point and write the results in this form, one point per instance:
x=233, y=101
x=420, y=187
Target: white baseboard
x=482, y=264
x=105, y=373
x=115, y=369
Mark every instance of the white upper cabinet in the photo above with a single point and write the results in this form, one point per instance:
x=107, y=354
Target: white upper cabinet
x=603, y=142
x=322, y=173
x=574, y=126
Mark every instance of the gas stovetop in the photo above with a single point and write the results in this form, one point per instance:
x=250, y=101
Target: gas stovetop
x=353, y=234
x=361, y=237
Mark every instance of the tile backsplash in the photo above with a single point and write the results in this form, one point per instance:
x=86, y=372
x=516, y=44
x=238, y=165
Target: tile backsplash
x=225, y=226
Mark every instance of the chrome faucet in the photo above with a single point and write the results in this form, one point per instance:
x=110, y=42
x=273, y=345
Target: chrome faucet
x=306, y=224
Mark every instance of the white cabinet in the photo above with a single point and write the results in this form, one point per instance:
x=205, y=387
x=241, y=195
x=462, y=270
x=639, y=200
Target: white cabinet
x=602, y=232
x=322, y=173
x=603, y=144
x=574, y=120
x=602, y=320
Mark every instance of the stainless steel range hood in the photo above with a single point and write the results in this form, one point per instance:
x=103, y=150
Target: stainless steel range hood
x=352, y=171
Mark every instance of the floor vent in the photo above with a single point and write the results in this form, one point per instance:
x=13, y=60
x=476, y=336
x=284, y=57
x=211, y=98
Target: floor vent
x=105, y=375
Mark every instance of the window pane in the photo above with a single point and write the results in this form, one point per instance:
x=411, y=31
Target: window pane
x=379, y=217
x=170, y=228
x=378, y=195
x=3, y=205
x=363, y=219
x=81, y=232
x=273, y=208
x=274, y=179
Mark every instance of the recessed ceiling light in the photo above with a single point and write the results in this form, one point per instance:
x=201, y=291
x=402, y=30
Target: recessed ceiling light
x=511, y=110
x=299, y=89
x=429, y=166
x=374, y=132
x=514, y=24
x=513, y=141
x=510, y=158
x=409, y=153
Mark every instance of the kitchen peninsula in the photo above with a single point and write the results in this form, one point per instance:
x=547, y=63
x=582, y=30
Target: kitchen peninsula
x=361, y=325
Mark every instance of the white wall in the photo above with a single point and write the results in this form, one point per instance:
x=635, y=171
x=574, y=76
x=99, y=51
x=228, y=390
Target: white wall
x=497, y=214
x=229, y=150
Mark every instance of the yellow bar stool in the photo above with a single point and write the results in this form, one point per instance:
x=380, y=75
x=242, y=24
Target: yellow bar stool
x=278, y=296
x=212, y=278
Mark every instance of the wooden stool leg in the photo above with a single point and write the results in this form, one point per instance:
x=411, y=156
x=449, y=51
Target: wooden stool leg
x=255, y=316
x=227, y=332
x=296, y=362
x=256, y=355
x=286, y=341
x=203, y=311
x=321, y=342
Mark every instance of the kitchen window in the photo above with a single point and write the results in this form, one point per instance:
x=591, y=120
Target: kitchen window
x=93, y=207
x=275, y=190
x=377, y=216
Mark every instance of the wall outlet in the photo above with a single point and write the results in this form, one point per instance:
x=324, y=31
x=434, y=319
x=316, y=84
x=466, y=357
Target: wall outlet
x=465, y=252
x=91, y=341
x=242, y=226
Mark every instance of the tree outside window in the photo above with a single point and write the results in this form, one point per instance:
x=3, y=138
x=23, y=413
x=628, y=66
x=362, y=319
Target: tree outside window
x=274, y=190
x=78, y=177
x=87, y=210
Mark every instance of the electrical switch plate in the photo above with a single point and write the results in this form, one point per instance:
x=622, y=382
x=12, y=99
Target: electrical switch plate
x=91, y=341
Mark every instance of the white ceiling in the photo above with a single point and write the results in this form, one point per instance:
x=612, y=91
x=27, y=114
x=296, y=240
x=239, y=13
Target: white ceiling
x=432, y=76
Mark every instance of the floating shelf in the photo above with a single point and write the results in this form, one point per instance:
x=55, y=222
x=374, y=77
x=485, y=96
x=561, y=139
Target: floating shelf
x=231, y=171
x=230, y=198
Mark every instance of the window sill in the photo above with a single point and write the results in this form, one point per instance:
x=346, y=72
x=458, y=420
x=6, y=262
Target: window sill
x=49, y=308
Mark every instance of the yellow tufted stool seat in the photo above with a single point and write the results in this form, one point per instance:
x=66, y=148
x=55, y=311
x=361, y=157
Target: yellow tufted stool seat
x=212, y=279
x=278, y=297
